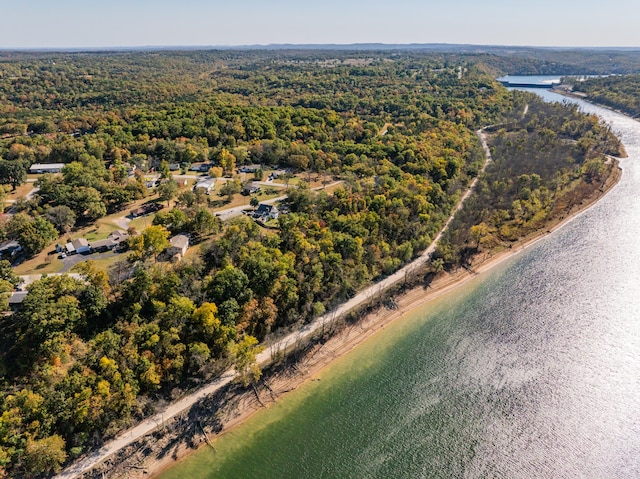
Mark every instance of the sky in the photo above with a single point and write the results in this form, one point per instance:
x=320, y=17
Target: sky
x=139, y=23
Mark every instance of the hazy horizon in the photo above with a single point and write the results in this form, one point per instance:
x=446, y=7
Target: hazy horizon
x=140, y=24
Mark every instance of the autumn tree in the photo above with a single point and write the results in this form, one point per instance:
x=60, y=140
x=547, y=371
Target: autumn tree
x=42, y=456
x=244, y=354
x=152, y=242
x=227, y=161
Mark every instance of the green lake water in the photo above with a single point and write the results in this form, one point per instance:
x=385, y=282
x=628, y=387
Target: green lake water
x=530, y=370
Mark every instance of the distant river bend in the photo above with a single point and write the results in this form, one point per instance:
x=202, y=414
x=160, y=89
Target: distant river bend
x=531, y=370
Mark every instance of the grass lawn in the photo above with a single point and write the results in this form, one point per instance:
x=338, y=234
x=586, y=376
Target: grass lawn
x=103, y=264
x=20, y=192
x=40, y=265
x=142, y=222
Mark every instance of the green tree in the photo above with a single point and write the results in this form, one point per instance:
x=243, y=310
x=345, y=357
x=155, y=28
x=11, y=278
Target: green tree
x=206, y=326
x=33, y=234
x=51, y=307
x=87, y=203
x=7, y=273
x=164, y=169
x=168, y=190
x=187, y=198
x=231, y=188
x=230, y=282
x=13, y=173
x=203, y=224
x=62, y=217
x=174, y=219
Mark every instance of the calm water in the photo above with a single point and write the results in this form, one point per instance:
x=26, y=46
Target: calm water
x=531, y=370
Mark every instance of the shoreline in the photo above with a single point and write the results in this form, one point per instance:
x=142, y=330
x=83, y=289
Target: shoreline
x=322, y=354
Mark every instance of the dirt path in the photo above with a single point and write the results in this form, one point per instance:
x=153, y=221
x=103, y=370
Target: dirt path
x=284, y=345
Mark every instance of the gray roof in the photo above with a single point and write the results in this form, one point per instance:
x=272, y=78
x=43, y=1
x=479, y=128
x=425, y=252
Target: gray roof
x=105, y=243
x=79, y=243
x=17, y=297
x=251, y=187
x=46, y=166
x=208, y=183
x=179, y=241
x=266, y=209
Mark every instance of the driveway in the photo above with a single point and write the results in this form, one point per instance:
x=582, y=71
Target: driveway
x=70, y=261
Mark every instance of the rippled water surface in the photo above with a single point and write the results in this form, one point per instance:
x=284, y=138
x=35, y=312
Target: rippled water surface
x=531, y=370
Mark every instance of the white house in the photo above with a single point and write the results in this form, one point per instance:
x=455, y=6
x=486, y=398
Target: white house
x=46, y=168
x=78, y=245
x=179, y=245
x=207, y=185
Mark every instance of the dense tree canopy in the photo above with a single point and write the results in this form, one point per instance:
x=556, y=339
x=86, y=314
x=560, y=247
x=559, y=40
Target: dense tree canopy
x=83, y=358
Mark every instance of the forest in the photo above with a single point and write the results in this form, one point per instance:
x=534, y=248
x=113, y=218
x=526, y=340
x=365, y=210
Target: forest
x=544, y=163
x=620, y=92
x=84, y=358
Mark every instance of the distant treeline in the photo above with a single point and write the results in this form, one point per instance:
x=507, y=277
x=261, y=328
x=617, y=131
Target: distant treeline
x=617, y=92
x=82, y=359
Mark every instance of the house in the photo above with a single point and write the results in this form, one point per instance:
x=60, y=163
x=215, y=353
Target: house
x=266, y=212
x=111, y=242
x=174, y=166
x=146, y=209
x=249, y=168
x=201, y=167
x=46, y=168
x=78, y=245
x=250, y=189
x=207, y=185
x=120, y=235
x=179, y=245
x=103, y=245
x=16, y=299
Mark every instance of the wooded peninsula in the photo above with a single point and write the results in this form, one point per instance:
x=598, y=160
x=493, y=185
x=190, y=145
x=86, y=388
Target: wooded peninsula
x=347, y=163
